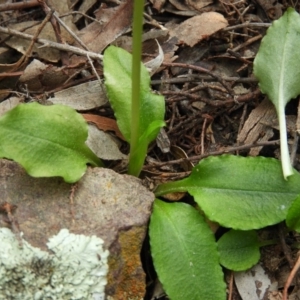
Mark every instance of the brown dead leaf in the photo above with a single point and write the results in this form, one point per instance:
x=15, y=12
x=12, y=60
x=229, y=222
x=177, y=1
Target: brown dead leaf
x=39, y=77
x=45, y=53
x=179, y=4
x=84, y=8
x=198, y=4
x=180, y=9
x=9, y=104
x=97, y=40
x=158, y=4
x=195, y=29
x=104, y=145
x=104, y=124
x=21, y=45
x=255, y=128
x=64, y=7
x=85, y=96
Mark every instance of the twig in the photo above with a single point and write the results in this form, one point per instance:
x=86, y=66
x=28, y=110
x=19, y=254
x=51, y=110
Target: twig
x=195, y=78
x=290, y=279
x=236, y=99
x=51, y=44
x=213, y=153
x=230, y=286
x=199, y=69
x=247, y=24
x=18, y=5
x=95, y=72
x=81, y=13
x=203, y=135
x=11, y=74
x=26, y=55
x=242, y=119
x=56, y=28
x=284, y=246
x=64, y=25
x=47, y=8
x=247, y=43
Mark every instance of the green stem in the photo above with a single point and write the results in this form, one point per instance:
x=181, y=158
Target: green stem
x=284, y=148
x=171, y=187
x=136, y=78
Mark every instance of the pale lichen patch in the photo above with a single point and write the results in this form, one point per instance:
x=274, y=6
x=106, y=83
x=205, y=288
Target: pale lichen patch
x=77, y=269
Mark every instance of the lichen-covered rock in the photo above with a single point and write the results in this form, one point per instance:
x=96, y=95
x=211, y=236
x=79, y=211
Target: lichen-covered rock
x=105, y=204
x=77, y=269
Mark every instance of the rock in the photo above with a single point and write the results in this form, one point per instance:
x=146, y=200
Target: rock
x=113, y=207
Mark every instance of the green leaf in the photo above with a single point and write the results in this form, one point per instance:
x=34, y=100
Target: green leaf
x=117, y=72
x=239, y=192
x=276, y=66
x=185, y=253
x=239, y=250
x=46, y=140
x=293, y=216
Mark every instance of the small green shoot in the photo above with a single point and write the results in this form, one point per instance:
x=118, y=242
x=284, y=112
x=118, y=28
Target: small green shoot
x=118, y=81
x=47, y=141
x=184, y=253
x=276, y=66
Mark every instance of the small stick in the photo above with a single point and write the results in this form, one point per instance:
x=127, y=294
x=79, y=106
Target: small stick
x=47, y=8
x=284, y=245
x=290, y=278
x=199, y=69
x=230, y=286
x=247, y=43
x=18, y=5
x=247, y=24
x=23, y=60
x=199, y=157
x=51, y=44
x=203, y=135
x=217, y=103
x=94, y=70
x=193, y=78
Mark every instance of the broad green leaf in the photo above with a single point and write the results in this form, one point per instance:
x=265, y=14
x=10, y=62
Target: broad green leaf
x=46, y=140
x=239, y=250
x=239, y=192
x=293, y=216
x=117, y=72
x=276, y=66
x=185, y=253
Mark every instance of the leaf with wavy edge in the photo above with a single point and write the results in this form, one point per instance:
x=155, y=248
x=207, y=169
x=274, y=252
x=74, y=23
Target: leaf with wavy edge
x=276, y=66
x=47, y=141
x=239, y=192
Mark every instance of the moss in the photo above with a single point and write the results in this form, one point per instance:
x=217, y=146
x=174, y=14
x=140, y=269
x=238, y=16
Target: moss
x=77, y=268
